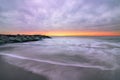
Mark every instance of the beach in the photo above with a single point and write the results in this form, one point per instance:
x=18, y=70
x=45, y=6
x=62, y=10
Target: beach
x=59, y=39
x=61, y=58
x=10, y=72
x=52, y=72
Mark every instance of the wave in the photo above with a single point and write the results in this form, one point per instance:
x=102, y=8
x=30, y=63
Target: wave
x=83, y=65
x=66, y=59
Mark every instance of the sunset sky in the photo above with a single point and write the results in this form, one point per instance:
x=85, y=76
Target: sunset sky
x=60, y=17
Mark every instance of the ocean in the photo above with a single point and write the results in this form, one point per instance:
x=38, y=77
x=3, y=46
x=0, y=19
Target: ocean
x=67, y=58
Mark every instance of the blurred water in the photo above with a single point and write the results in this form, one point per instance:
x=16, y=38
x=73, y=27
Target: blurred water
x=68, y=58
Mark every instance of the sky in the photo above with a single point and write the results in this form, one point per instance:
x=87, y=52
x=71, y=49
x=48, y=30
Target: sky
x=60, y=17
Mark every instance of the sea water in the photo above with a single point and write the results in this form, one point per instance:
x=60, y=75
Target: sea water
x=68, y=58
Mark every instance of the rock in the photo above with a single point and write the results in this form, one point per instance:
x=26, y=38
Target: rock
x=20, y=38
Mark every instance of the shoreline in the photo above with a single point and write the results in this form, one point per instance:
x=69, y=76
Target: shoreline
x=10, y=72
x=36, y=64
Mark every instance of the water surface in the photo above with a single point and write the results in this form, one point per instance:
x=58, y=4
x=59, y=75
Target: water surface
x=68, y=58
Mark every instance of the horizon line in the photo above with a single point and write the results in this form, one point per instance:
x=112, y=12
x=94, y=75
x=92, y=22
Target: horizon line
x=66, y=35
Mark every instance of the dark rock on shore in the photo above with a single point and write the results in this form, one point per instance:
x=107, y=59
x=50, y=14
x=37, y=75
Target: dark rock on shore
x=20, y=38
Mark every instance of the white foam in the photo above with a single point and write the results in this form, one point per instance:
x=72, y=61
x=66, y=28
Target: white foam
x=85, y=65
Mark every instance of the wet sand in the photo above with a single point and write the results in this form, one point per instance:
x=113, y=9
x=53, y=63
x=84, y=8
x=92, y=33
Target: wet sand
x=61, y=72
x=50, y=71
x=10, y=72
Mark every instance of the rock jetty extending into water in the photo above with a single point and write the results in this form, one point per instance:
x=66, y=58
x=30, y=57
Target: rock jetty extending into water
x=20, y=38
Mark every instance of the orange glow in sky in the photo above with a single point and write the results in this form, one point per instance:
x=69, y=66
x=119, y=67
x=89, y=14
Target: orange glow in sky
x=70, y=33
x=81, y=33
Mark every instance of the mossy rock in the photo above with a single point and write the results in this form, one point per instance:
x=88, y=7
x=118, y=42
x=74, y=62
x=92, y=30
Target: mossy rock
x=2, y=42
